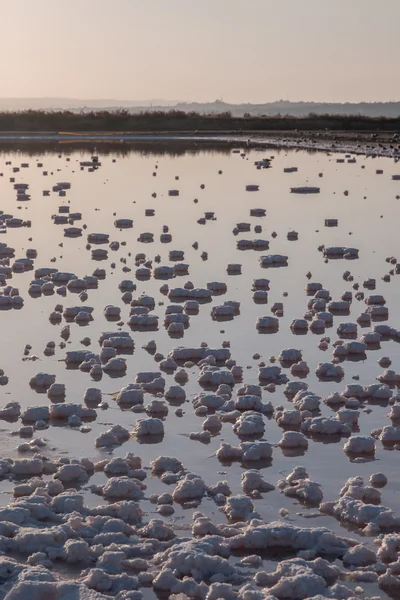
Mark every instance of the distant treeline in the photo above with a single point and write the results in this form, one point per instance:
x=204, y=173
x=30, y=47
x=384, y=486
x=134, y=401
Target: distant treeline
x=174, y=148
x=181, y=121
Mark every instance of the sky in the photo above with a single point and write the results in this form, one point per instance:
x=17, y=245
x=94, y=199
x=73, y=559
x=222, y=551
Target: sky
x=199, y=50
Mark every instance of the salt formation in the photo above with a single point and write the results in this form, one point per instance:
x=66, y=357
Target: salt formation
x=109, y=526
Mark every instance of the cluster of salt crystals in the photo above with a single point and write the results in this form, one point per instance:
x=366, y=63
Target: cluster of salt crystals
x=108, y=569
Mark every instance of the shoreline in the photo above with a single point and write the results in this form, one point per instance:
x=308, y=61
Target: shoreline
x=368, y=144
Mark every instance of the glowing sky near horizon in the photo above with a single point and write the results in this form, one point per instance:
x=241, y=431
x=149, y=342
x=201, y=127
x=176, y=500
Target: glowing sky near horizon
x=240, y=50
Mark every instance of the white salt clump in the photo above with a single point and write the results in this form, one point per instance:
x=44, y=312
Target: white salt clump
x=298, y=485
x=390, y=435
x=348, y=416
x=115, y=436
x=389, y=546
x=340, y=252
x=293, y=439
x=273, y=535
x=271, y=375
x=191, y=307
x=347, y=329
x=352, y=403
x=56, y=390
x=327, y=317
x=115, y=365
x=112, y=311
x=217, y=286
x=234, y=268
x=201, y=436
x=249, y=423
x=83, y=317
x=247, y=451
x=273, y=259
x=123, y=223
x=147, y=376
x=290, y=355
x=123, y=487
x=120, y=340
x=251, y=389
x=299, y=369
x=10, y=410
x=36, y=413
x=42, y=380
x=226, y=452
x=378, y=479
x=253, y=480
x=173, y=309
x=297, y=578
x=176, y=318
x=293, y=387
x=306, y=400
x=130, y=395
x=212, y=423
x=353, y=507
x=224, y=311
x=75, y=421
x=224, y=390
x=378, y=391
x=164, y=464
x=250, y=402
x=252, y=244
x=65, y=410
x=212, y=401
x=237, y=371
x=384, y=361
x=317, y=325
x=354, y=390
x=335, y=400
x=378, y=312
x=359, y=556
x=157, y=529
x=31, y=446
x=355, y=348
x=339, y=306
x=196, y=354
x=360, y=445
x=329, y=371
x=27, y=467
x=325, y=426
x=168, y=364
x=157, y=407
x=148, y=427
x=191, y=487
x=176, y=329
x=154, y=386
x=371, y=338
x=70, y=473
x=118, y=466
x=238, y=508
x=214, y=376
x=96, y=372
x=92, y=396
x=384, y=330
x=288, y=418
x=267, y=323
x=299, y=325
x=389, y=376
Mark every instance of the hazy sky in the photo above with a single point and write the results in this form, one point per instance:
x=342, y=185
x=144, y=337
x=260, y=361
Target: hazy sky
x=242, y=50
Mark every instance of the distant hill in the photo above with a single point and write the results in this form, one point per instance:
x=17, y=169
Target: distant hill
x=75, y=104
x=280, y=107
x=297, y=109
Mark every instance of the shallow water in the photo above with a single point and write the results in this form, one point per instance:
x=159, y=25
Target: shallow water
x=368, y=219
